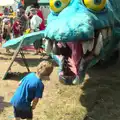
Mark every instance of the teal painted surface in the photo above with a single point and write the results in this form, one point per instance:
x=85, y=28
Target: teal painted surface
x=43, y=1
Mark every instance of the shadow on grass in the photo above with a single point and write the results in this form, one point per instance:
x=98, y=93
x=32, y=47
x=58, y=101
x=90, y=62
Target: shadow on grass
x=7, y=54
x=101, y=94
x=3, y=104
x=15, y=76
x=33, y=62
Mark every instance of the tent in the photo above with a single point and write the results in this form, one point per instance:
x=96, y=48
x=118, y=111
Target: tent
x=6, y=2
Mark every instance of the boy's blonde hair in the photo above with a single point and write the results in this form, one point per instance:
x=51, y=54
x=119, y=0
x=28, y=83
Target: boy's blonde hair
x=45, y=68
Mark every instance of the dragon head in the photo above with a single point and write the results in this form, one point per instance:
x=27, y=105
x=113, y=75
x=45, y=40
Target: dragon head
x=82, y=32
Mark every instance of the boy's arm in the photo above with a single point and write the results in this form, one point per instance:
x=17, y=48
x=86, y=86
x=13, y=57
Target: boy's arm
x=34, y=103
x=38, y=94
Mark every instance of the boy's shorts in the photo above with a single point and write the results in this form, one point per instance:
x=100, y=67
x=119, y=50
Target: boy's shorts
x=23, y=114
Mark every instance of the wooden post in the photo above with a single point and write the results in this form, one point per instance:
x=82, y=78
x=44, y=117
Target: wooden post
x=13, y=59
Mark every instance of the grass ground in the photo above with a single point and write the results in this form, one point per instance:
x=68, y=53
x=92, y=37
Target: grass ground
x=96, y=99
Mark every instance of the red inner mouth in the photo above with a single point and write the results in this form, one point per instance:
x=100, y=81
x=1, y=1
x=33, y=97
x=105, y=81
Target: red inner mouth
x=77, y=53
x=72, y=61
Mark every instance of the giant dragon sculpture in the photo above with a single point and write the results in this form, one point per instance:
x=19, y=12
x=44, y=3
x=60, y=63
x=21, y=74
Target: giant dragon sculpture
x=79, y=33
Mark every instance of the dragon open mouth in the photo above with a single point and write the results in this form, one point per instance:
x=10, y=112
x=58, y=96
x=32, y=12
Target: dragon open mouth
x=76, y=56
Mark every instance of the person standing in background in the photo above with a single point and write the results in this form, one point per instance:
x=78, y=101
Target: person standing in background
x=11, y=10
x=6, y=31
x=5, y=10
x=42, y=25
x=16, y=28
x=35, y=22
x=23, y=18
x=40, y=14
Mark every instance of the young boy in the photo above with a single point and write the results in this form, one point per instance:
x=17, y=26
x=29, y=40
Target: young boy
x=29, y=91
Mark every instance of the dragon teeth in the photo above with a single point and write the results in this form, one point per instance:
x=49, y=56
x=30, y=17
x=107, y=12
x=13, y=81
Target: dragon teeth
x=55, y=49
x=87, y=46
x=104, y=33
x=99, y=45
x=48, y=46
x=91, y=45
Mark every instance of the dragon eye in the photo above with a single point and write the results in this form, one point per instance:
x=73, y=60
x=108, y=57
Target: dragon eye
x=58, y=5
x=96, y=5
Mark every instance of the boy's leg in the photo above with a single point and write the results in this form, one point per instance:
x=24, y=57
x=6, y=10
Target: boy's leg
x=16, y=114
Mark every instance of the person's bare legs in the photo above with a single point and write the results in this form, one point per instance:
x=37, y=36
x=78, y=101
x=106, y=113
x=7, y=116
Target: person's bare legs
x=17, y=118
x=28, y=119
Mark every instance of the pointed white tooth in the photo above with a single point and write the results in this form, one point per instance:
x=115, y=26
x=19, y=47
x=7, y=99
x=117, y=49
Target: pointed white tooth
x=99, y=44
x=43, y=40
x=104, y=33
x=91, y=45
x=48, y=46
x=109, y=32
x=85, y=47
x=55, y=48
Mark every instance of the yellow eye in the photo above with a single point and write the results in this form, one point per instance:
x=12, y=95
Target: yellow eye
x=58, y=5
x=96, y=5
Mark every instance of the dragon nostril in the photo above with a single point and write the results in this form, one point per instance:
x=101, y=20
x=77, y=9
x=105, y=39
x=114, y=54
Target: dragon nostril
x=58, y=4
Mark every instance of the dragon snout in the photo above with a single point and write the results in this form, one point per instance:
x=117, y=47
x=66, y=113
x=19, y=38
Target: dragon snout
x=67, y=29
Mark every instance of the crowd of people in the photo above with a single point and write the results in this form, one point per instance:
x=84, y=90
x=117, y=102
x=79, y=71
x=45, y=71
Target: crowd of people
x=30, y=19
x=30, y=88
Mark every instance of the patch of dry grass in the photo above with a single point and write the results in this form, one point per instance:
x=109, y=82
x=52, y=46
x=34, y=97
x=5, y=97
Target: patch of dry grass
x=97, y=99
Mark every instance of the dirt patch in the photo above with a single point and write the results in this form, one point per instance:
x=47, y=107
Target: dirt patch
x=97, y=99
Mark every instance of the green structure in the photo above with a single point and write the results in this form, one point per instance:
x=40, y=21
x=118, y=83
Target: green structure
x=43, y=2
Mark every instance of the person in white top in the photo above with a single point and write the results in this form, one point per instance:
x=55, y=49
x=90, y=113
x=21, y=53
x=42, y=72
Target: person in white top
x=34, y=25
x=35, y=20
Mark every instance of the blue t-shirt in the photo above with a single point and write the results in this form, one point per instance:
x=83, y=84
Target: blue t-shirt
x=31, y=87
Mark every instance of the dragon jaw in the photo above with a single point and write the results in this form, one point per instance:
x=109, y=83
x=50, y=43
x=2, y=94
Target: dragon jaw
x=84, y=32
x=82, y=35
x=86, y=36
x=77, y=56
